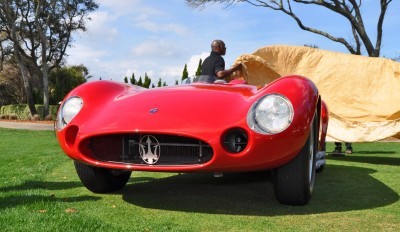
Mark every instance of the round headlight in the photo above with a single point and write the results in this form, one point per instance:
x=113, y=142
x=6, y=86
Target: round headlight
x=68, y=111
x=270, y=115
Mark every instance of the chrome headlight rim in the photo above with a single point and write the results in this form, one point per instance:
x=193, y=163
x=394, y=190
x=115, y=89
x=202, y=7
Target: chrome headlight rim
x=254, y=123
x=68, y=110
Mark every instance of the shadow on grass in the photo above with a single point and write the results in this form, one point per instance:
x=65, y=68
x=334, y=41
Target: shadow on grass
x=376, y=152
x=338, y=189
x=393, y=161
x=31, y=185
x=28, y=194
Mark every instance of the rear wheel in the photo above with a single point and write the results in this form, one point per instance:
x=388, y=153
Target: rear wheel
x=100, y=180
x=294, y=182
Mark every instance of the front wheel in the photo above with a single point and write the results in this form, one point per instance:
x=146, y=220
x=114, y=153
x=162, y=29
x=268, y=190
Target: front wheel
x=294, y=182
x=100, y=180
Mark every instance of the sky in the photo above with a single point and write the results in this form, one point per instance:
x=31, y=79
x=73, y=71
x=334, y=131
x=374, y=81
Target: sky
x=159, y=37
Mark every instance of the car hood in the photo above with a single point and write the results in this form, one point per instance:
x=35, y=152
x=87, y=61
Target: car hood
x=183, y=109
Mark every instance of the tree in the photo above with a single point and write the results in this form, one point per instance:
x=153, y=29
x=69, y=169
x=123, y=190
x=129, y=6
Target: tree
x=198, y=71
x=11, y=90
x=185, y=73
x=126, y=79
x=5, y=50
x=147, y=81
x=40, y=33
x=132, y=79
x=349, y=9
x=140, y=81
x=63, y=80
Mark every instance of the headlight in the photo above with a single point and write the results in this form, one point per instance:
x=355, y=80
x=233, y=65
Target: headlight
x=270, y=115
x=68, y=111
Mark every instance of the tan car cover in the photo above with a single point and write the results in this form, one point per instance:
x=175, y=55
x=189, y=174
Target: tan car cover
x=362, y=93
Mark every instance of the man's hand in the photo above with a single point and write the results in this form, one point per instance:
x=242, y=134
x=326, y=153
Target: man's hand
x=228, y=72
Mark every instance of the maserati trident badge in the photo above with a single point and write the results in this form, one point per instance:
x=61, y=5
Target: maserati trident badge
x=149, y=149
x=153, y=111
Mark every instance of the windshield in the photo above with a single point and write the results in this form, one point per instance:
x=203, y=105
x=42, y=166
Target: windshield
x=211, y=80
x=203, y=79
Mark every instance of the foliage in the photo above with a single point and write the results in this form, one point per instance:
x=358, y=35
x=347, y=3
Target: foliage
x=198, y=70
x=185, y=73
x=11, y=90
x=40, y=32
x=41, y=191
x=62, y=80
x=349, y=10
x=21, y=111
x=132, y=79
x=140, y=81
x=147, y=81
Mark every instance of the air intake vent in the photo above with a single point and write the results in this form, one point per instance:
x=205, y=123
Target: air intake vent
x=235, y=140
x=167, y=149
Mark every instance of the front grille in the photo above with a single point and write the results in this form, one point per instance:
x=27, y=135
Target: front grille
x=150, y=149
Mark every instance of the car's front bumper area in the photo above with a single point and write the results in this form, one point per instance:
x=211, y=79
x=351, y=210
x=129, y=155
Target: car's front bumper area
x=181, y=152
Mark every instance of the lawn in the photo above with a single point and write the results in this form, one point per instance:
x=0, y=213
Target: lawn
x=40, y=191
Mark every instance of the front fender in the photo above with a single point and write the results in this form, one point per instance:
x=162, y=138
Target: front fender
x=302, y=93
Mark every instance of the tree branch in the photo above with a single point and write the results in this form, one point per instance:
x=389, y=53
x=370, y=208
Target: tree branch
x=349, y=9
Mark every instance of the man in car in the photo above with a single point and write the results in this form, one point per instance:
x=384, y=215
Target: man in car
x=214, y=65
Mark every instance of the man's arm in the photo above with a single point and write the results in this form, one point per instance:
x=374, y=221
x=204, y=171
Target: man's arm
x=226, y=73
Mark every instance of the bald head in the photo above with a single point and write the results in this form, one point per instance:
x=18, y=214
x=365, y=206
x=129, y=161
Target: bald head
x=218, y=46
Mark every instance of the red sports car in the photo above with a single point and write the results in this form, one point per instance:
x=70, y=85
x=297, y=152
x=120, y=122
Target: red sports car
x=111, y=129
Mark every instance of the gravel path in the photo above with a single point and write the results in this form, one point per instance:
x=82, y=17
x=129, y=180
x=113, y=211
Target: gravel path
x=27, y=125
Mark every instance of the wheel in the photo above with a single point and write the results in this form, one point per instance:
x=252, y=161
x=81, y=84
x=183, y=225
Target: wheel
x=294, y=182
x=100, y=180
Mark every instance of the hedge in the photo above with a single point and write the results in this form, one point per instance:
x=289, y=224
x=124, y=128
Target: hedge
x=22, y=112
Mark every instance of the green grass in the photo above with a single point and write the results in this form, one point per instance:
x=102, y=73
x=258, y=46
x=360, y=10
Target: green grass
x=40, y=191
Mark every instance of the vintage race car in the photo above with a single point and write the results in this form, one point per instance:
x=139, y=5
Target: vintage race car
x=111, y=129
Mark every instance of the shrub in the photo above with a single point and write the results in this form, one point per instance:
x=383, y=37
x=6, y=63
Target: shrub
x=14, y=110
x=13, y=117
x=22, y=111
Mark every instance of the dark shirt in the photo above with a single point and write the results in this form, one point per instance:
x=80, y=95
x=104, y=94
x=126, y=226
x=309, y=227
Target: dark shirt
x=213, y=64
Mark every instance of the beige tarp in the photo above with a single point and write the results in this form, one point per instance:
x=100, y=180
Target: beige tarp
x=362, y=93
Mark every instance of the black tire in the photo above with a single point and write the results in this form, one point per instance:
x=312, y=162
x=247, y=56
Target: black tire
x=100, y=180
x=294, y=182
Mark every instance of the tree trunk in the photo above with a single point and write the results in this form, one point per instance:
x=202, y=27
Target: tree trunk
x=27, y=87
x=46, y=100
x=24, y=71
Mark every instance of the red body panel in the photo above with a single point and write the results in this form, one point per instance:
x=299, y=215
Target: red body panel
x=324, y=120
x=201, y=111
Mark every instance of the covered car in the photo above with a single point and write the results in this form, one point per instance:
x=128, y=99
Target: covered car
x=110, y=129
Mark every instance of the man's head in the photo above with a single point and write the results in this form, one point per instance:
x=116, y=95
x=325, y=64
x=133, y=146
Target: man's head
x=218, y=46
